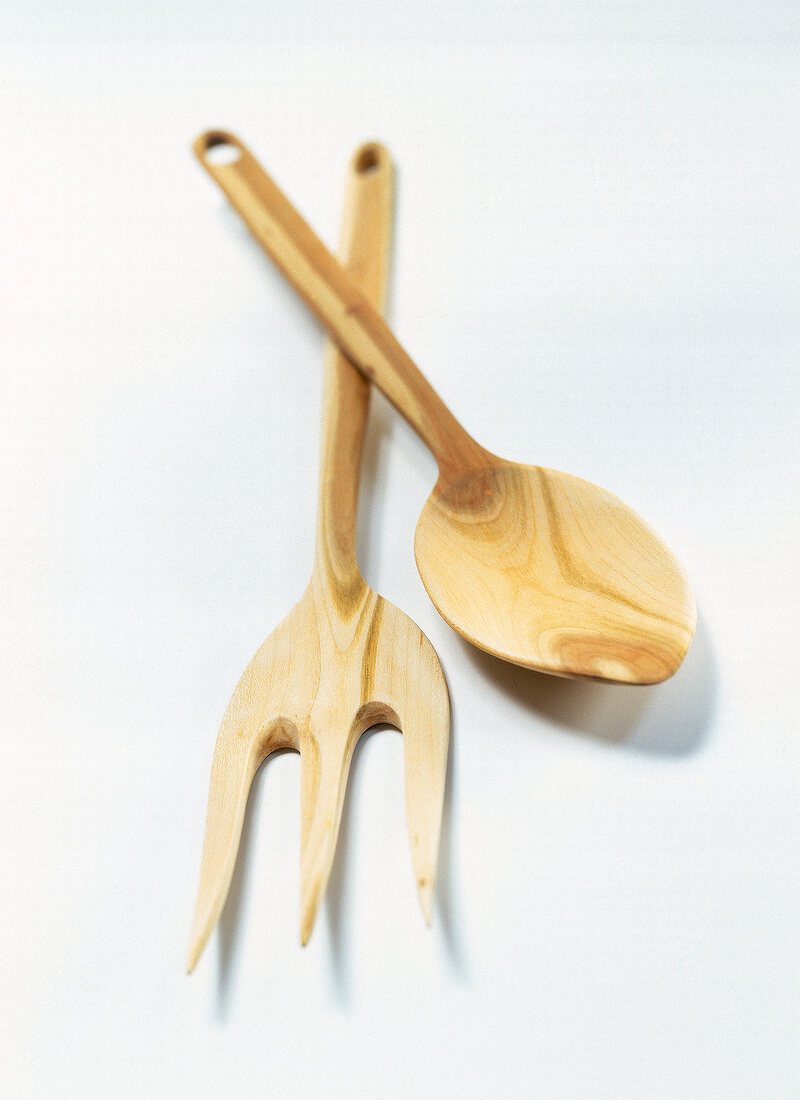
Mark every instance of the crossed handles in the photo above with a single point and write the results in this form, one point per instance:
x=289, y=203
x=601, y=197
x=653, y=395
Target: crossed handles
x=535, y=566
x=344, y=659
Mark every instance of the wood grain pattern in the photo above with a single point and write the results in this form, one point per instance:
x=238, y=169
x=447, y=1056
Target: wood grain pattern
x=551, y=572
x=532, y=565
x=344, y=659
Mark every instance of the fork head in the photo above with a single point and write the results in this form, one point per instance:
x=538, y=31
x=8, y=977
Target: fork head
x=342, y=661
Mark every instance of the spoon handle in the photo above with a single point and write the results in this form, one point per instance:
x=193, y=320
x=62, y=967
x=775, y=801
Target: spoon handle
x=343, y=309
x=364, y=248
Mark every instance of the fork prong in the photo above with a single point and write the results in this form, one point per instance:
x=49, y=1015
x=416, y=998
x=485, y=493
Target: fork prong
x=422, y=703
x=237, y=758
x=234, y=765
x=324, y=768
x=425, y=722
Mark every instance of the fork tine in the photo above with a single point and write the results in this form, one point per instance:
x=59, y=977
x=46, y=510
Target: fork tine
x=425, y=722
x=237, y=757
x=426, y=767
x=324, y=768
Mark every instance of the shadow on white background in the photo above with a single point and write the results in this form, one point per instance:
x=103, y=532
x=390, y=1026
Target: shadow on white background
x=671, y=719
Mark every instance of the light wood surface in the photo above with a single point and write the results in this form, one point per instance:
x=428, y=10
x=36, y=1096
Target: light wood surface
x=535, y=566
x=344, y=659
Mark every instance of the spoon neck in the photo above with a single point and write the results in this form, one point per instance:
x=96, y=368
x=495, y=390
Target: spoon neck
x=390, y=367
x=459, y=454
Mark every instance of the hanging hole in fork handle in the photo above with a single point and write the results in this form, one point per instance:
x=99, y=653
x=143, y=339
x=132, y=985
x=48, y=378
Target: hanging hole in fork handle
x=368, y=160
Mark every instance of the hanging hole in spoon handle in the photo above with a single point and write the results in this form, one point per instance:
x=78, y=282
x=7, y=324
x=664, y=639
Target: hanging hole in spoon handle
x=332, y=295
x=220, y=148
x=226, y=158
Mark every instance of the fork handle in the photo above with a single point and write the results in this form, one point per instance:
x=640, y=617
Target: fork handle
x=343, y=309
x=364, y=248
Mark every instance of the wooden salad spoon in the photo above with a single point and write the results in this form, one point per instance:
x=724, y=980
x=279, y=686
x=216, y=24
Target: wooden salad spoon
x=532, y=565
x=344, y=659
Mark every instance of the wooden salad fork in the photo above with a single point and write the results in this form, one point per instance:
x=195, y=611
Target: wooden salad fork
x=344, y=659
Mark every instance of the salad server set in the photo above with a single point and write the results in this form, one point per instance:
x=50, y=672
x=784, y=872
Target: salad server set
x=537, y=567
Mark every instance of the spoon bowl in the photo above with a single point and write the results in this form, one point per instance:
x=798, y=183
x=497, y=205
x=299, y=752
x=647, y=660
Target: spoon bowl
x=553, y=573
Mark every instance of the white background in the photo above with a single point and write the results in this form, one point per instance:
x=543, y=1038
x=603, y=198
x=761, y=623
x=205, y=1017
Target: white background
x=597, y=266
